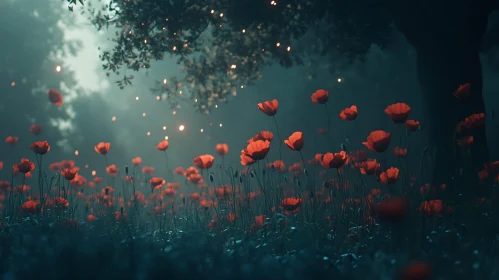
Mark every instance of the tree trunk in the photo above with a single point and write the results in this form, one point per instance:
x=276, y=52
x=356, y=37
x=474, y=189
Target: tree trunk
x=441, y=70
x=447, y=37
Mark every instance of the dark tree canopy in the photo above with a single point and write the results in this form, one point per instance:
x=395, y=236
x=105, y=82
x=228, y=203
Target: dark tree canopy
x=223, y=45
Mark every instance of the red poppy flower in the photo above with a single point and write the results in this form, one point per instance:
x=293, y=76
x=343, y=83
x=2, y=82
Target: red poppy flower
x=269, y=107
x=137, y=161
x=11, y=140
x=349, y=114
x=36, y=129
x=204, y=161
x=463, y=91
x=378, y=141
x=412, y=125
x=398, y=112
x=40, y=147
x=262, y=135
x=295, y=142
x=163, y=145
x=55, y=97
x=320, y=97
x=222, y=149
x=389, y=176
x=25, y=166
x=336, y=160
x=102, y=148
x=369, y=167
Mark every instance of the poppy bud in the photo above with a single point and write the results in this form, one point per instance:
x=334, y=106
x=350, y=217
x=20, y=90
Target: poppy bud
x=236, y=174
x=126, y=170
x=212, y=178
x=326, y=184
x=121, y=210
x=240, y=179
x=252, y=174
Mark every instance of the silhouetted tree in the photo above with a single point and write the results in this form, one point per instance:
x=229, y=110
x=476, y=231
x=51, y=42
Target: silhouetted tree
x=28, y=58
x=224, y=44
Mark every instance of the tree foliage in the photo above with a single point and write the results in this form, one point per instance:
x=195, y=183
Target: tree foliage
x=223, y=45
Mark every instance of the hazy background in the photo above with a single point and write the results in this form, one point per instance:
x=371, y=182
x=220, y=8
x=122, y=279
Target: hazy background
x=38, y=37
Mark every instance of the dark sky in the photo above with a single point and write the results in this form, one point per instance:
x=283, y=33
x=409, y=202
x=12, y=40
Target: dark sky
x=37, y=31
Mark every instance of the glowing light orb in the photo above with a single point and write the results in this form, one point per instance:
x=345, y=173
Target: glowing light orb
x=143, y=114
x=340, y=80
x=164, y=127
x=137, y=98
x=13, y=84
x=113, y=118
x=77, y=153
x=94, y=172
x=202, y=130
x=181, y=127
x=220, y=125
x=58, y=68
x=148, y=133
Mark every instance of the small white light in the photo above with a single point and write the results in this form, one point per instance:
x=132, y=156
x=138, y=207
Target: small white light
x=77, y=153
x=181, y=127
x=166, y=137
x=164, y=127
x=148, y=133
x=113, y=118
x=143, y=114
x=339, y=80
x=202, y=130
x=220, y=125
x=137, y=98
x=58, y=68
